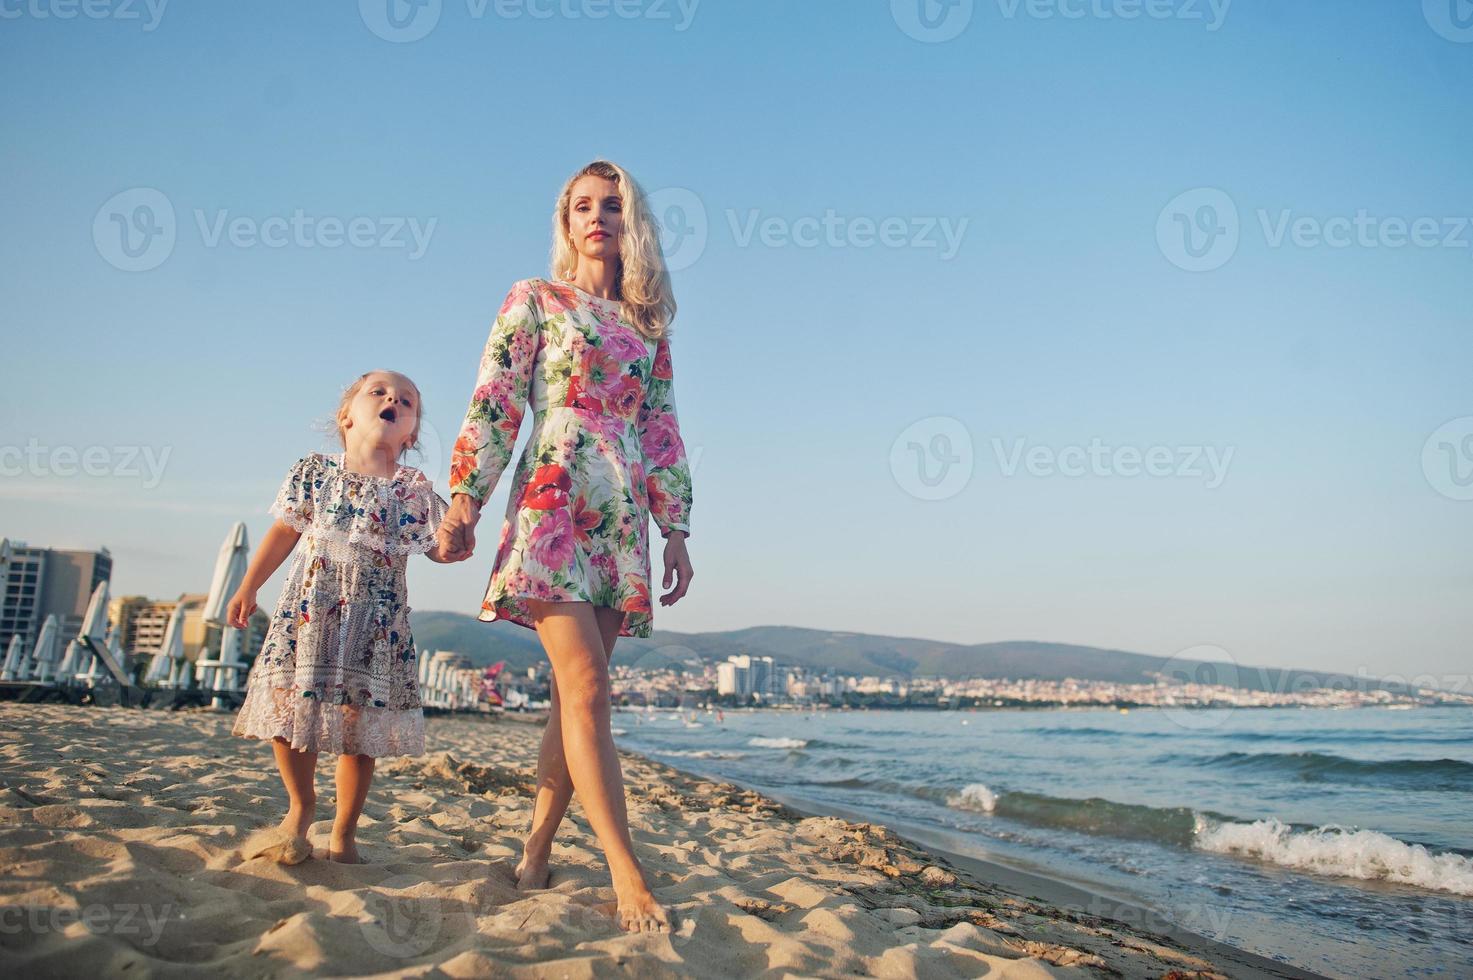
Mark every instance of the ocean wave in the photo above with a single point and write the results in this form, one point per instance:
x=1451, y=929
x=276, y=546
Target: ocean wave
x=1338, y=852
x=701, y=753
x=762, y=741
x=1424, y=774
x=975, y=796
x=618, y=731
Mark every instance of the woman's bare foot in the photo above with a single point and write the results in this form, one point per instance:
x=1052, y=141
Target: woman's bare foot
x=343, y=849
x=531, y=874
x=642, y=913
x=638, y=910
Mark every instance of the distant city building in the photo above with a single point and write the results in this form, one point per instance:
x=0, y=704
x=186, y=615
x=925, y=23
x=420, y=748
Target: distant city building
x=143, y=621
x=742, y=676
x=41, y=582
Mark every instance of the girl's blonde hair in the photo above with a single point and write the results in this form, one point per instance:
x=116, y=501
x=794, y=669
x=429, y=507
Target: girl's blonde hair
x=350, y=392
x=642, y=284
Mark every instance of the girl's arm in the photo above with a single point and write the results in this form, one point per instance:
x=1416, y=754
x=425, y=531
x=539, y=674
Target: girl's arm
x=275, y=547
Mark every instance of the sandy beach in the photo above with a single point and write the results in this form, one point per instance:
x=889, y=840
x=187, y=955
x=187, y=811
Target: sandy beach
x=121, y=835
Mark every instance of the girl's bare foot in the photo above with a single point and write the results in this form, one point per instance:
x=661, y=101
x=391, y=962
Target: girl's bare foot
x=531, y=874
x=344, y=850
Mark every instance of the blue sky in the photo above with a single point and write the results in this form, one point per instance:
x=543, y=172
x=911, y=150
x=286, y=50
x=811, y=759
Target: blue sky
x=827, y=376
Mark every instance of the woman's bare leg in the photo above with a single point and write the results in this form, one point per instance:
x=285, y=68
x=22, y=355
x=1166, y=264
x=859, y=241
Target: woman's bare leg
x=355, y=774
x=570, y=634
x=554, y=784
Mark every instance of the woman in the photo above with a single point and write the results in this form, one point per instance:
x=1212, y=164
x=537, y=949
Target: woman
x=589, y=350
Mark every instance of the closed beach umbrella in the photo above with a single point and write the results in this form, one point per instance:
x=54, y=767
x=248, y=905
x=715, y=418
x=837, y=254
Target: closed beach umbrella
x=230, y=569
x=15, y=660
x=46, y=649
x=171, y=650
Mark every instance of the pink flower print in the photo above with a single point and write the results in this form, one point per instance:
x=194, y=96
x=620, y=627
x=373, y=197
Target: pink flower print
x=661, y=440
x=624, y=345
x=551, y=542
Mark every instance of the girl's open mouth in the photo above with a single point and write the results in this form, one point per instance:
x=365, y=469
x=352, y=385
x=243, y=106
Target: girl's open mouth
x=389, y=415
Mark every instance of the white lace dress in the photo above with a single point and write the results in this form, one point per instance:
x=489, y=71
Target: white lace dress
x=338, y=672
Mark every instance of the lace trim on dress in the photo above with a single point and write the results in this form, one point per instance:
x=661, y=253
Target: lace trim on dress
x=309, y=725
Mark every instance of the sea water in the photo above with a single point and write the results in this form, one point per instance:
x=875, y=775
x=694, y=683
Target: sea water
x=1340, y=841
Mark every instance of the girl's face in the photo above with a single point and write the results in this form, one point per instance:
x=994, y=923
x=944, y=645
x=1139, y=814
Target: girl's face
x=385, y=411
x=595, y=217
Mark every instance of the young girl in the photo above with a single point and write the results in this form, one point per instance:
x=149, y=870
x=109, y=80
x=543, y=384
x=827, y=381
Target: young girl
x=337, y=672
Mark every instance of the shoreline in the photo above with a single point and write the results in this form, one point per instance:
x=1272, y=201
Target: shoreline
x=124, y=838
x=1068, y=896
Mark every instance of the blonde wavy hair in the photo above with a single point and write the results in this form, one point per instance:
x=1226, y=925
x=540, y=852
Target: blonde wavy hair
x=642, y=284
x=350, y=392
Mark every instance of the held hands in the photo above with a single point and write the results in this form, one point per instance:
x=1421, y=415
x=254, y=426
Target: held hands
x=457, y=537
x=242, y=604
x=677, y=564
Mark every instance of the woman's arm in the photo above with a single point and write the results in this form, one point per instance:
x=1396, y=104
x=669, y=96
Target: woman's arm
x=483, y=448
x=275, y=547
x=667, y=471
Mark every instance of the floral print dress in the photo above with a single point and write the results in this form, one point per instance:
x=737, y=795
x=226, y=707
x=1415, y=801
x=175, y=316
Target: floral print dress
x=603, y=457
x=338, y=672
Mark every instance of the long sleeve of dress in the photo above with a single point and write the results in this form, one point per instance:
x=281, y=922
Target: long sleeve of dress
x=667, y=471
x=483, y=448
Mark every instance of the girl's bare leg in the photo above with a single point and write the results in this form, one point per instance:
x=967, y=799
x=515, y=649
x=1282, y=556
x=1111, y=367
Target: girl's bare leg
x=355, y=773
x=298, y=770
x=570, y=634
x=554, y=784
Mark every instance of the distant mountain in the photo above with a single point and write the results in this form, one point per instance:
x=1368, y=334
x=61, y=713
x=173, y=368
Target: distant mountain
x=867, y=653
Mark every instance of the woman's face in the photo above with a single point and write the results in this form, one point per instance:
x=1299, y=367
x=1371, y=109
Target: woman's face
x=595, y=217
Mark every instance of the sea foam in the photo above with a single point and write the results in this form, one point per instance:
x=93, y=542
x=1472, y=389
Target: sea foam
x=1365, y=854
x=763, y=741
